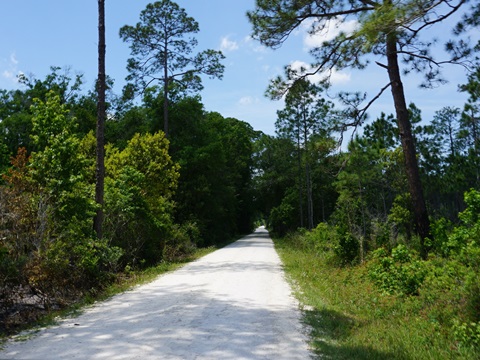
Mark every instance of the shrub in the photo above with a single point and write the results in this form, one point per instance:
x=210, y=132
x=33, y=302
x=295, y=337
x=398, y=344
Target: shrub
x=347, y=248
x=281, y=219
x=467, y=334
x=400, y=273
x=322, y=239
x=181, y=242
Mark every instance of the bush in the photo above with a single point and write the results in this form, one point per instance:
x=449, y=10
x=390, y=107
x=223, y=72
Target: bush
x=400, y=273
x=467, y=334
x=322, y=239
x=281, y=219
x=181, y=242
x=347, y=248
x=11, y=276
x=468, y=233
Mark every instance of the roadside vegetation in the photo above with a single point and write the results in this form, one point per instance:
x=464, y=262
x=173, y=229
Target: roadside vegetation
x=30, y=319
x=393, y=305
x=380, y=234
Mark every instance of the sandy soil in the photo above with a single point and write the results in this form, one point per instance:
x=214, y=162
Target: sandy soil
x=231, y=304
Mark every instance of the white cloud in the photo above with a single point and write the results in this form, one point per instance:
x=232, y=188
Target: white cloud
x=228, y=45
x=8, y=74
x=254, y=45
x=246, y=100
x=13, y=59
x=336, y=77
x=249, y=100
x=11, y=71
x=325, y=31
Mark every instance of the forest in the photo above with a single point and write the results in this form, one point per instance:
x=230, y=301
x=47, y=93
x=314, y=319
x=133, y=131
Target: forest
x=401, y=197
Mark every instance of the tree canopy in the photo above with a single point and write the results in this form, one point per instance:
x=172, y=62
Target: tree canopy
x=387, y=28
x=162, y=45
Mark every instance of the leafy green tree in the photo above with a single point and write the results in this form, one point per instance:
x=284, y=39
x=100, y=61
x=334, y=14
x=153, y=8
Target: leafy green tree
x=161, y=51
x=215, y=157
x=49, y=195
x=387, y=28
x=15, y=106
x=469, y=132
x=58, y=167
x=140, y=185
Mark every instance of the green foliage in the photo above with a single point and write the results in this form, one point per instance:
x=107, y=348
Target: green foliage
x=140, y=183
x=12, y=271
x=71, y=264
x=128, y=224
x=466, y=237
x=441, y=229
x=47, y=209
x=400, y=273
x=215, y=157
x=15, y=106
x=401, y=214
x=467, y=334
x=323, y=239
x=181, y=242
x=347, y=248
x=350, y=317
x=283, y=217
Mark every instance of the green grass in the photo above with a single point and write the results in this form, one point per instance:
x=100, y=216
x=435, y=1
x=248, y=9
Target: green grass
x=350, y=318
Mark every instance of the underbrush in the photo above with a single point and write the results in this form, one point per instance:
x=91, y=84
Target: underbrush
x=30, y=311
x=391, y=306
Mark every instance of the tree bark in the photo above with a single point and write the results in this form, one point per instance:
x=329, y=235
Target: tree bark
x=101, y=116
x=307, y=175
x=422, y=221
x=300, y=192
x=165, y=91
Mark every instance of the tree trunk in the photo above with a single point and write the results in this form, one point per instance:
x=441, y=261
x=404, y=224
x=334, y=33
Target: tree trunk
x=476, y=142
x=101, y=116
x=422, y=221
x=309, y=196
x=307, y=173
x=300, y=192
x=165, y=92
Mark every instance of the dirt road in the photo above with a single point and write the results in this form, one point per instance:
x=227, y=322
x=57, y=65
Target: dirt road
x=231, y=304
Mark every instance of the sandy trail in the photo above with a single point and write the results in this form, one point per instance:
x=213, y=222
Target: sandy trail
x=231, y=304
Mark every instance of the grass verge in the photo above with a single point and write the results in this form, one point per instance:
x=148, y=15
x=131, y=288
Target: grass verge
x=349, y=318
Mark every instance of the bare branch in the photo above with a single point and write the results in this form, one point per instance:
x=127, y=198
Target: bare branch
x=381, y=65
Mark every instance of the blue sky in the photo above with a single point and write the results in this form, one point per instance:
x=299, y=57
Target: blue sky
x=39, y=34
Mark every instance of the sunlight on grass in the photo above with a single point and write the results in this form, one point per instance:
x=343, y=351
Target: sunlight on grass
x=350, y=319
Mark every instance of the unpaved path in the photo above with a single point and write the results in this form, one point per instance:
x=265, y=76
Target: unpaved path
x=231, y=304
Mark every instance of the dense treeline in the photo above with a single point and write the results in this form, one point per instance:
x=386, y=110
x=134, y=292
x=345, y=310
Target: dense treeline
x=402, y=200
x=163, y=197
x=362, y=210
x=91, y=187
x=214, y=177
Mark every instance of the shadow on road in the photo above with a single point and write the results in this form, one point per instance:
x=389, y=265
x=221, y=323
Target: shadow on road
x=202, y=328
